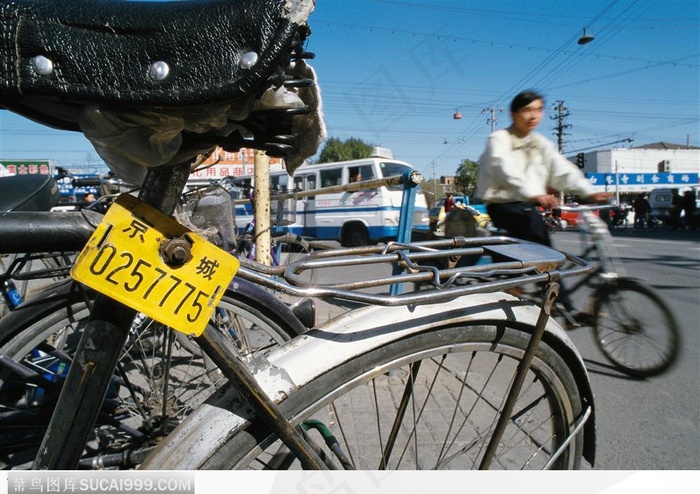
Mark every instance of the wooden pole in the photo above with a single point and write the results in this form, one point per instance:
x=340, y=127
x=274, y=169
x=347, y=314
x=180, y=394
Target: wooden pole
x=261, y=192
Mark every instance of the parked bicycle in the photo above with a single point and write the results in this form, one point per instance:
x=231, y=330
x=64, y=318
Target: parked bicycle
x=162, y=374
x=618, y=216
x=512, y=389
x=19, y=272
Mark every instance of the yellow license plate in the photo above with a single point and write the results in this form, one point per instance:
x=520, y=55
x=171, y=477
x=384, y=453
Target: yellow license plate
x=125, y=260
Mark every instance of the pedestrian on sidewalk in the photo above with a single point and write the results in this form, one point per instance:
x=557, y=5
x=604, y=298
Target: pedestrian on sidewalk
x=641, y=209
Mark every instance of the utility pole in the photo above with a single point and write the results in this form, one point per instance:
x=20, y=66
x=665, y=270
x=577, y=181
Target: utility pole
x=562, y=113
x=492, y=119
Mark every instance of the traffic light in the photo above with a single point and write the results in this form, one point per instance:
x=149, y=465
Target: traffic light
x=579, y=160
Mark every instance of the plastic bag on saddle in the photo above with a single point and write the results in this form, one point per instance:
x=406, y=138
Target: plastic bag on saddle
x=132, y=140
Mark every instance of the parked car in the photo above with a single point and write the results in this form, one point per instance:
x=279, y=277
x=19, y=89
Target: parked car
x=660, y=202
x=437, y=214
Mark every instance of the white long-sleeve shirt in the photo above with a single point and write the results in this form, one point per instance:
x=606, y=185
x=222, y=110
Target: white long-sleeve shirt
x=512, y=169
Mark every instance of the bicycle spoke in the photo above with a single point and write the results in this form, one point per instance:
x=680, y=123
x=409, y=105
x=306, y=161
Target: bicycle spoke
x=160, y=378
x=477, y=399
x=445, y=414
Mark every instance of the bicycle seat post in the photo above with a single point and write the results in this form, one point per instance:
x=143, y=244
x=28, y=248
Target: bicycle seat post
x=96, y=358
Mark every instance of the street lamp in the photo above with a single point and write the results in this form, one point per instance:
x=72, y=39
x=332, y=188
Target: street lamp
x=586, y=38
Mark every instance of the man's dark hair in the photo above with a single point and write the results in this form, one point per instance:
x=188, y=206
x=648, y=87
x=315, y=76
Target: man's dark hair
x=523, y=99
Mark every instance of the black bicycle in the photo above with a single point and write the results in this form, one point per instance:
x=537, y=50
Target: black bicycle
x=632, y=324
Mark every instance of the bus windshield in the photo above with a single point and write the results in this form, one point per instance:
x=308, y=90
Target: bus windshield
x=389, y=169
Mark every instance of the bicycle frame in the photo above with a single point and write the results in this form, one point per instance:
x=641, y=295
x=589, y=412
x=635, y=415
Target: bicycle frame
x=599, y=250
x=597, y=242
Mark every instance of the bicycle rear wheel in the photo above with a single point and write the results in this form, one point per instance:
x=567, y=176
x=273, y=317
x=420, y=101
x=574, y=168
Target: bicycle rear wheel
x=428, y=401
x=634, y=328
x=162, y=375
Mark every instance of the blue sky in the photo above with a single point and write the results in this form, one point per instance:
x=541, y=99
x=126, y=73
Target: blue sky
x=393, y=73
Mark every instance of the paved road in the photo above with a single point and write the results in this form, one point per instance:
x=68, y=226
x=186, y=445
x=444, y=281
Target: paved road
x=652, y=423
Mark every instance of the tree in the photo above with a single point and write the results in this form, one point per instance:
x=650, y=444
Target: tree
x=351, y=149
x=466, y=176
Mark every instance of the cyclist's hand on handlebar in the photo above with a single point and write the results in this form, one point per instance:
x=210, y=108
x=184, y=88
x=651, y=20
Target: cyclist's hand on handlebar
x=546, y=201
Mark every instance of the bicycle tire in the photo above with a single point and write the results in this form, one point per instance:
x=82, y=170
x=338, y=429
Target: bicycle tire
x=29, y=285
x=478, y=364
x=634, y=328
x=135, y=413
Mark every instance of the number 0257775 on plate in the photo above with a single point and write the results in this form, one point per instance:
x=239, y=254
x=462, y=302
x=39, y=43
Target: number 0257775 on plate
x=125, y=260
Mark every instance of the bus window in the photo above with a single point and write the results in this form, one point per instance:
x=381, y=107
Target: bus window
x=310, y=182
x=331, y=177
x=360, y=173
x=299, y=183
x=354, y=175
x=305, y=182
x=279, y=182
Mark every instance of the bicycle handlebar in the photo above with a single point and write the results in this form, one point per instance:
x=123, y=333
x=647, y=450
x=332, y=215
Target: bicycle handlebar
x=587, y=207
x=86, y=182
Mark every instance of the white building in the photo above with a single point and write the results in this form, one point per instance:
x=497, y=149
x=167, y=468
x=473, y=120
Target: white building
x=641, y=169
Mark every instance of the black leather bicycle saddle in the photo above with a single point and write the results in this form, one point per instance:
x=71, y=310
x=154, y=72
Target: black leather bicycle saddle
x=60, y=57
x=145, y=53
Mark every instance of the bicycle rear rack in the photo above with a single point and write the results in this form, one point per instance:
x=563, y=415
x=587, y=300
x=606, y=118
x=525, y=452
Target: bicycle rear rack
x=441, y=269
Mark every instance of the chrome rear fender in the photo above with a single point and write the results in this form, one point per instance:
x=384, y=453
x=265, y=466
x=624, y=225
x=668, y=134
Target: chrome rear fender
x=309, y=355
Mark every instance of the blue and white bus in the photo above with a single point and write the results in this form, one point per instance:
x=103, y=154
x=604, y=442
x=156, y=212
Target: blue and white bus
x=353, y=218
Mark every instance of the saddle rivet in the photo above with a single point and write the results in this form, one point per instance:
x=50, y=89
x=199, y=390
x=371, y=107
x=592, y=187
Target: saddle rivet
x=248, y=59
x=158, y=71
x=42, y=65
